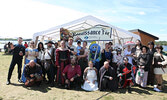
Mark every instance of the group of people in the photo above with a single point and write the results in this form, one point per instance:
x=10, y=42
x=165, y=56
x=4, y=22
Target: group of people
x=70, y=67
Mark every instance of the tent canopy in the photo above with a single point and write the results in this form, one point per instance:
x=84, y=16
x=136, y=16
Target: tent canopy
x=119, y=36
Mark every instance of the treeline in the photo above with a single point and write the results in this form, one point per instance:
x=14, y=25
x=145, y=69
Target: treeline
x=11, y=39
x=161, y=42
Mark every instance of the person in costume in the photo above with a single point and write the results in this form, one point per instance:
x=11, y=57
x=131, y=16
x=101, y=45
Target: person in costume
x=135, y=52
x=49, y=63
x=31, y=53
x=40, y=58
x=151, y=52
x=95, y=55
x=160, y=68
x=90, y=78
x=107, y=78
x=143, y=67
x=33, y=74
x=106, y=55
x=62, y=59
x=124, y=72
x=72, y=75
x=82, y=58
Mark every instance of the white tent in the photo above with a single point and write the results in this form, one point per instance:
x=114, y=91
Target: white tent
x=119, y=36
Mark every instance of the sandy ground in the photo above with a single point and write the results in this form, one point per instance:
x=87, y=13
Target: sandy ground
x=17, y=91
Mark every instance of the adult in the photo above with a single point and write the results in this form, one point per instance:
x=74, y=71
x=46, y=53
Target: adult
x=18, y=53
x=72, y=74
x=72, y=48
x=127, y=53
x=33, y=74
x=25, y=44
x=62, y=59
x=151, y=52
x=143, y=67
x=136, y=51
x=49, y=63
x=40, y=58
x=107, y=77
x=124, y=72
x=110, y=44
x=90, y=78
x=31, y=53
x=82, y=58
x=160, y=62
x=106, y=55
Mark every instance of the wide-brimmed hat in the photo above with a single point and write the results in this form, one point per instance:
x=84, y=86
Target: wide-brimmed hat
x=159, y=47
x=49, y=42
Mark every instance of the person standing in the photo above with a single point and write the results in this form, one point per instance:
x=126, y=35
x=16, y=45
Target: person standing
x=40, y=58
x=72, y=48
x=135, y=52
x=49, y=63
x=26, y=45
x=106, y=55
x=151, y=52
x=62, y=59
x=143, y=67
x=82, y=58
x=127, y=53
x=31, y=53
x=160, y=68
x=18, y=53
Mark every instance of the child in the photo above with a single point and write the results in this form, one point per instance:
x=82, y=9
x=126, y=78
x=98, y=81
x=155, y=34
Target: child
x=78, y=47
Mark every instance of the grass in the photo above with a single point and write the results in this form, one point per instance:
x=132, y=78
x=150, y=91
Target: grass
x=17, y=91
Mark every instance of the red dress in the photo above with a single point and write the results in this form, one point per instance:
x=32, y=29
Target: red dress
x=62, y=59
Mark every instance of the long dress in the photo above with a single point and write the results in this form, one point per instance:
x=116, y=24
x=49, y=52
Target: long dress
x=91, y=76
x=62, y=59
x=31, y=52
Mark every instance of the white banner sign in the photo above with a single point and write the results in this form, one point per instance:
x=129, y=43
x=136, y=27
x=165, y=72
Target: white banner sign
x=94, y=34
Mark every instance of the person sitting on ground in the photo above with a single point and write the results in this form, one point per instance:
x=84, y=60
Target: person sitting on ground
x=90, y=77
x=71, y=74
x=107, y=78
x=33, y=74
x=124, y=73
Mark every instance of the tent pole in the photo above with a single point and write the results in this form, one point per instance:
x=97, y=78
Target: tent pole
x=118, y=38
x=36, y=41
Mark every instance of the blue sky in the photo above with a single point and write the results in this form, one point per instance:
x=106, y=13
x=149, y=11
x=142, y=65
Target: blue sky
x=147, y=15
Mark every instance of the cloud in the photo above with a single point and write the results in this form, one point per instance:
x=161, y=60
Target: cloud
x=25, y=17
x=142, y=13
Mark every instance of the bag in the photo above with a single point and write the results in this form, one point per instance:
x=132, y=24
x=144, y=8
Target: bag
x=47, y=65
x=163, y=66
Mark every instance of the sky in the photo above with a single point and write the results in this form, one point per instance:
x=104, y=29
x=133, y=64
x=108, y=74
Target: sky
x=26, y=17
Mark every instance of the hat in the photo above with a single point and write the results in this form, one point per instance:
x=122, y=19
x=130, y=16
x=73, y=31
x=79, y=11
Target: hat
x=144, y=47
x=125, y=58
x=49, y=42
x=159, y=47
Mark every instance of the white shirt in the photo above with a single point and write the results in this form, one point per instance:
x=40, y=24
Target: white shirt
x=47, y=56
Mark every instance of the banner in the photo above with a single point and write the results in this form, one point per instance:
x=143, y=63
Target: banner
x=94, y=34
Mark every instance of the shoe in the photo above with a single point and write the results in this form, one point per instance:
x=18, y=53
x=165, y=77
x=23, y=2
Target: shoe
x=20, y=81
x=8, y=82
x=157, y=90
